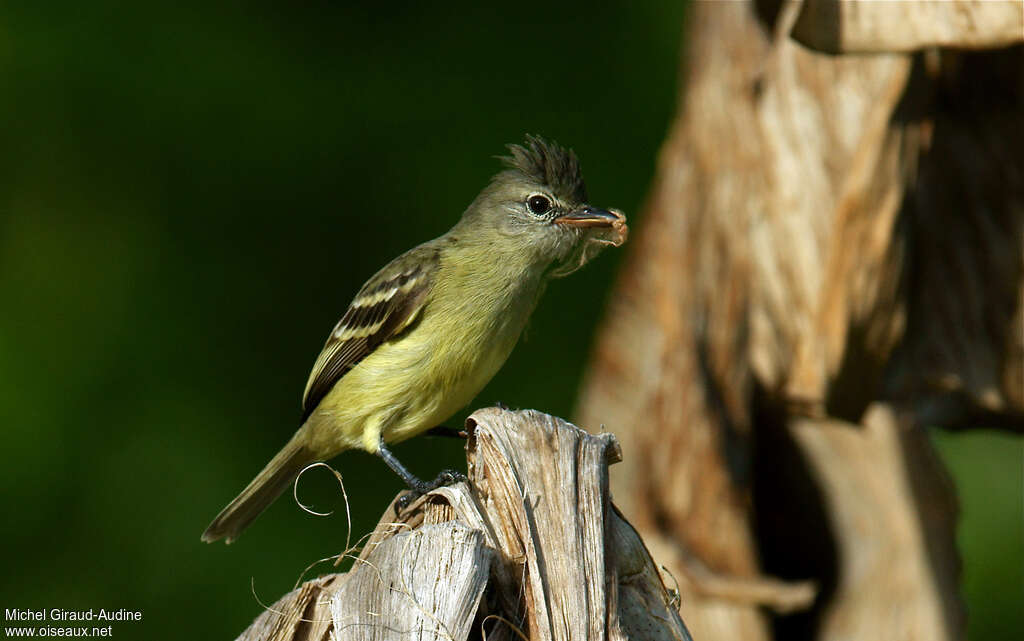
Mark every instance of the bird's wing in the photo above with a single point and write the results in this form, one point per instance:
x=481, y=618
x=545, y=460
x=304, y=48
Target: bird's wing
x=386, y=305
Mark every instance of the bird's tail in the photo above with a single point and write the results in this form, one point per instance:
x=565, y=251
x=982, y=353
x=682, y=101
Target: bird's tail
x=261, y=492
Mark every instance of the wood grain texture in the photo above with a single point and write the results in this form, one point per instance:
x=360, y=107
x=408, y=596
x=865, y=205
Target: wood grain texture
x=420, y=585
x=303, y=613
x=531, y=545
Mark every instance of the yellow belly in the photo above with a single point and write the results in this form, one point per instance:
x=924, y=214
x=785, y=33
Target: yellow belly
x=409, y=385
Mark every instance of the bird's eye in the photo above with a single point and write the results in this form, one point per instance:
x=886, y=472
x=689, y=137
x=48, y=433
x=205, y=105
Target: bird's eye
x=538, y=204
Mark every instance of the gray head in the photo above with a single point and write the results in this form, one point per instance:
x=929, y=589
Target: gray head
x=539, y=203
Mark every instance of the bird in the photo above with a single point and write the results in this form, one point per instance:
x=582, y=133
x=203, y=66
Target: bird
x=424, y=334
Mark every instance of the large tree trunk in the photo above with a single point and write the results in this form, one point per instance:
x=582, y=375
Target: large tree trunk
x=830, y=261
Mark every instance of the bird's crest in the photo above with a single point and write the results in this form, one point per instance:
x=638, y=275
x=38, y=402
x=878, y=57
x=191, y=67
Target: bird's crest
x=550, y=164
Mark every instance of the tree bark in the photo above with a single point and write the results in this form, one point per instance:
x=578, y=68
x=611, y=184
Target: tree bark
x=830, y=261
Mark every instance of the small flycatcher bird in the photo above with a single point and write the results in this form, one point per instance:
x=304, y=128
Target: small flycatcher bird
x=426, y=333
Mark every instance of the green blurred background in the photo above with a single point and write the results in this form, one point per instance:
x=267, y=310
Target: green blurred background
x=190, y=194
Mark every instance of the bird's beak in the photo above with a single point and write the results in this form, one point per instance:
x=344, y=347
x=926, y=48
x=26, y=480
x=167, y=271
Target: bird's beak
x=589, y=217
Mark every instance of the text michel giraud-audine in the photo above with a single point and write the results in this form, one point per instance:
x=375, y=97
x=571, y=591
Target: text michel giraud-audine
x=60, y=614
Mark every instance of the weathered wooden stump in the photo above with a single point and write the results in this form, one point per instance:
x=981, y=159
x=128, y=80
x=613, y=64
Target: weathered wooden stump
x=531, y=547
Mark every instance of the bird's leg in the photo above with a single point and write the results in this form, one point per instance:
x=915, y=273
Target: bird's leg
x=417, y=486
x=447, y=432
x=413, y=481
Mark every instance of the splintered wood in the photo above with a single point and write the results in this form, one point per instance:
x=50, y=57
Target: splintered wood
x=530, y=548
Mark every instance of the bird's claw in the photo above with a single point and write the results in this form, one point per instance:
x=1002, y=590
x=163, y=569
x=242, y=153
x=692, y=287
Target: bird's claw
x=403, y=501
x=444, y=479
x=447, y=477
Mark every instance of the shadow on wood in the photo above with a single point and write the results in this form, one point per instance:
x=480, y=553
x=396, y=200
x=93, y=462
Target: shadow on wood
x=531, y=547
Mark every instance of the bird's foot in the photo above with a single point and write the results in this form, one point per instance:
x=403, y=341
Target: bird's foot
x=446, y=478
x=419, y=488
